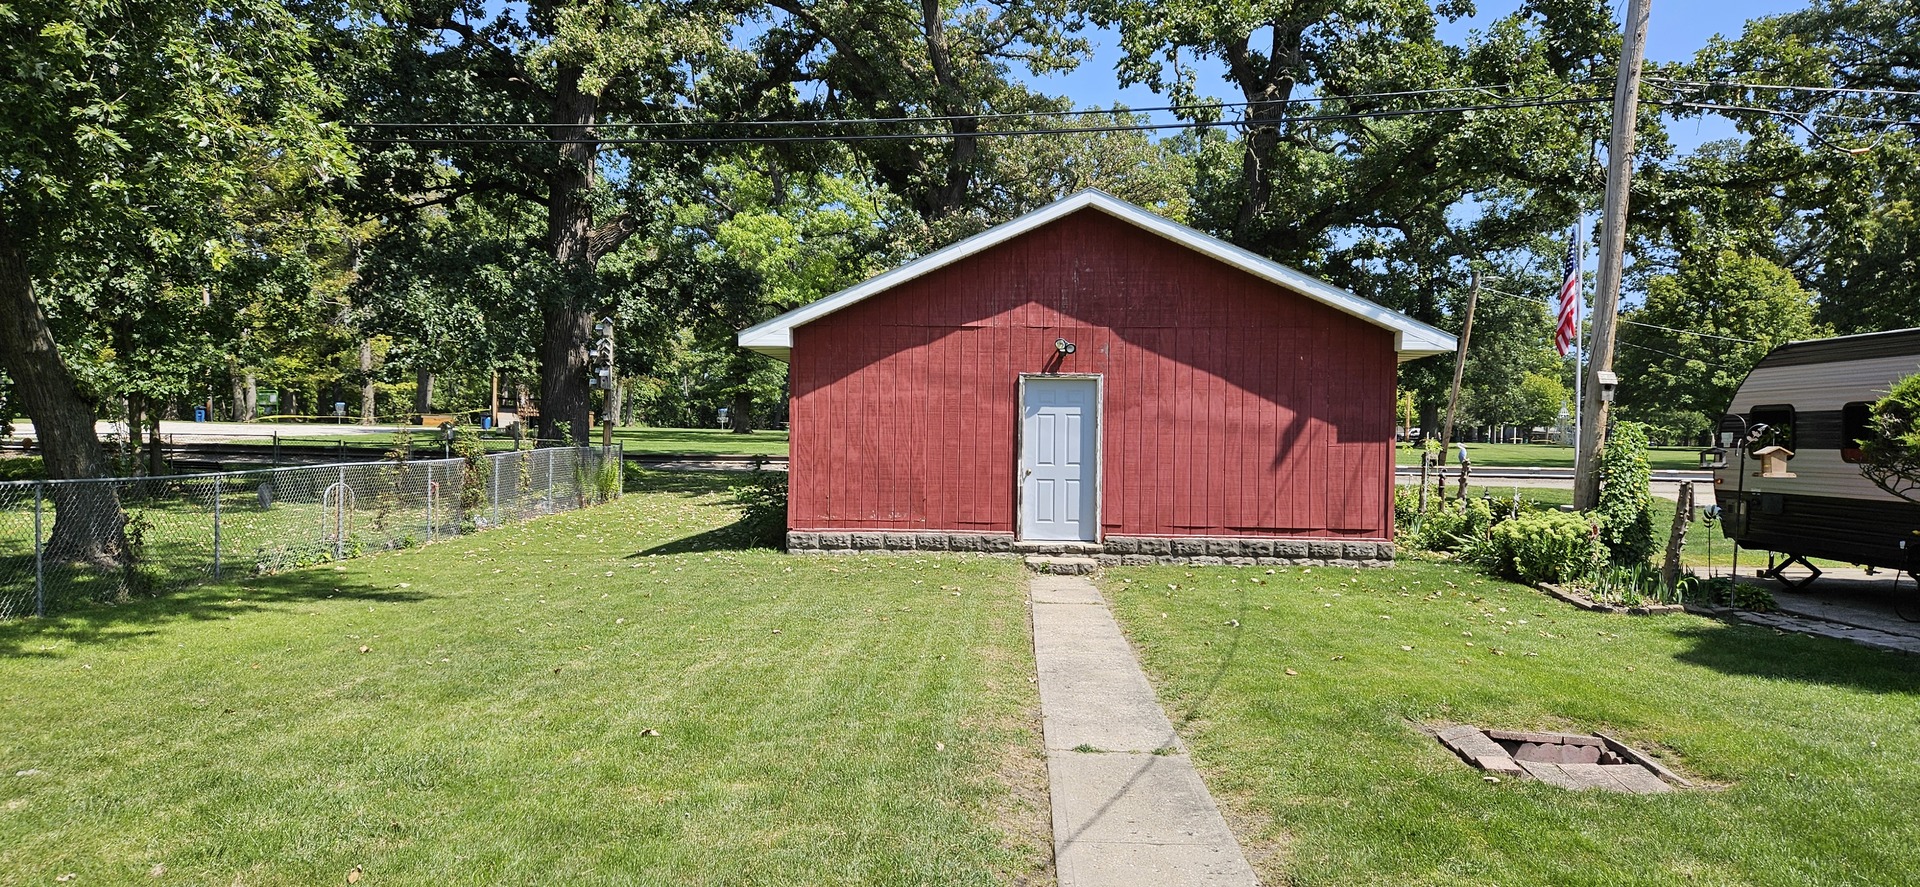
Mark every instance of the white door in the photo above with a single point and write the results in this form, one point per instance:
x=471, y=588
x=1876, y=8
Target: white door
x=1058, y=458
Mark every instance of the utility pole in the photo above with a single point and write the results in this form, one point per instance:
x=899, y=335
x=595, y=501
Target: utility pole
x=1613, y=240
x=1459, y=365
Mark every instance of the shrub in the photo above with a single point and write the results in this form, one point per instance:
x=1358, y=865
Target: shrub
x=1890, y=454
x=1545, y=546
x=1406, y=511
x=1625, y=512
x=1449, y=526
x=763, y=507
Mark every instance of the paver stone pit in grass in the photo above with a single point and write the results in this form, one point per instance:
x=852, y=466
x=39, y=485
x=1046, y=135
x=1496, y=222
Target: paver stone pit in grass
x=1567, y=760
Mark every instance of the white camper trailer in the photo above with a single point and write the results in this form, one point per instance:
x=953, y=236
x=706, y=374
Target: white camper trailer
x=1791, y=482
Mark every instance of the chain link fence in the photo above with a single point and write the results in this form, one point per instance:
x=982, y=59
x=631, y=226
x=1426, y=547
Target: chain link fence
x=63, y=542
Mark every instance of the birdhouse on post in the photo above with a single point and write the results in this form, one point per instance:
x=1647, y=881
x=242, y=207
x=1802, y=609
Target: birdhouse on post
x=1773, y=461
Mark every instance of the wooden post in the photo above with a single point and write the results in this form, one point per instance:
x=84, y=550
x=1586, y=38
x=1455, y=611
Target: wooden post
x=1425, y=464
x=1682, y=509
x=1466, y=468
x=1459, y=366
x=1613, y=238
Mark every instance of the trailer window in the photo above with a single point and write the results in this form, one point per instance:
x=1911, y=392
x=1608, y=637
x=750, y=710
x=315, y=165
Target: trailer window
x=1779, y=417
x=1854, y=428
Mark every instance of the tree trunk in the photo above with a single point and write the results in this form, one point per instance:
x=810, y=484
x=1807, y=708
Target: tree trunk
x=738, y=413
x=1677, y=536
x=422, y=390
x=566, y=324
x=242, y=411
x=88, y=524
x=1267, y=82
x=136, y=417
x=156, y=455
x=253, y=396
x=952, y=97
x=366, y=382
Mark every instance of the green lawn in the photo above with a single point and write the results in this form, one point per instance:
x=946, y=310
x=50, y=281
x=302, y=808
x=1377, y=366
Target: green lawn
x=484, y=711
x=703, y=441
x=1811, y=746
x=1547, y=456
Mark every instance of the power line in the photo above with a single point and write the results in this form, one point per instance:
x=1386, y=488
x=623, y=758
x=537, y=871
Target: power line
x=1673, y=355
x=1851, y=90
x=1655, y=326
x=991, y=133
x=949, y=118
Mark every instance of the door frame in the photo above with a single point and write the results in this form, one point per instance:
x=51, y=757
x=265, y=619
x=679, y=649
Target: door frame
x=1020, y=449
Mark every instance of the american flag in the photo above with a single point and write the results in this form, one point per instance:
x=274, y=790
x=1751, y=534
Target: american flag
x=1569, y=329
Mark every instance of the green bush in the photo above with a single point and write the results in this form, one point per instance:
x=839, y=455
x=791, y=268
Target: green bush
x=1450, y=525
x=1547, y=546
x=763, y=507
x=1406, y=511
x=1890, y=453
x=1625, y=512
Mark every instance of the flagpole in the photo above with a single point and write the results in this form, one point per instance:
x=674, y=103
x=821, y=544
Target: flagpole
x=1579, y=299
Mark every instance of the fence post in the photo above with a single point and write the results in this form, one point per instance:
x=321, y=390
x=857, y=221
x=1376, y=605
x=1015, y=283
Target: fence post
x=620, y=470
x=216, y=526
x=39, y=555
x=550, y=452
x=493, y=479
x=276, y=448
x=340, y=518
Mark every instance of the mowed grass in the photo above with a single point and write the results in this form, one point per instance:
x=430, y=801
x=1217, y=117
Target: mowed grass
x=700, y=441
x=1546, y=456
x=611, y=696
x=1811, y=747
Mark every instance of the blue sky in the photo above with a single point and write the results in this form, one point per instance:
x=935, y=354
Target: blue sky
x=1675, y=31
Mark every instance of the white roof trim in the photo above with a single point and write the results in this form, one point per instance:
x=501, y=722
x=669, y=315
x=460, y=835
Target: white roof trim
x=1411, y=338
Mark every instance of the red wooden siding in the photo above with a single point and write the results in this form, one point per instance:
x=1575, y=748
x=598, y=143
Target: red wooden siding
x=1232, y=406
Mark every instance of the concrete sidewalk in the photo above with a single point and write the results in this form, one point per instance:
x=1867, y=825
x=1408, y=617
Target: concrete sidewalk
x=1128, y=807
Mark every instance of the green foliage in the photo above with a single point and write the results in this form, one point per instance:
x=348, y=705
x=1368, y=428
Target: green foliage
x=606, y=482
x=1544, y=546
x=1450, y=525
x=22, y=468
x=1680, y=382
x=1890, y=455
x=1406, y=512
x=479, y=469
x=762, y=500
x=1625, y=512
x=1722, y=591
x=1636, y=586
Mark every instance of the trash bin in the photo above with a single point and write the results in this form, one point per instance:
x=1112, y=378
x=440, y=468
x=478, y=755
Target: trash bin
x=486, y=423
x=199, y=414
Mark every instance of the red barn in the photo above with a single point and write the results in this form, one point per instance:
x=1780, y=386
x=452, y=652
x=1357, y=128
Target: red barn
x=1094, y=378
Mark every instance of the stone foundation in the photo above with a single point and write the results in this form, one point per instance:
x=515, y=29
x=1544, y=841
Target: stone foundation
x=1115, y=551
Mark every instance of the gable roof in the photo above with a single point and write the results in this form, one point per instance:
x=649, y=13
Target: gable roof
x=1411, y=338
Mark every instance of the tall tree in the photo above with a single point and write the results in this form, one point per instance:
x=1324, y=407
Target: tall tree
x=1841, y=159
x=954, y=60
x=1700, y=330
x=512, y=103
x=122, y=129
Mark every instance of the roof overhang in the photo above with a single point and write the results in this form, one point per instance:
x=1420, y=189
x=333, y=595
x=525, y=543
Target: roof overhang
x=1411, y=338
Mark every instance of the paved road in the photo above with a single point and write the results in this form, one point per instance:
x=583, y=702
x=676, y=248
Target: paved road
x=230, y=429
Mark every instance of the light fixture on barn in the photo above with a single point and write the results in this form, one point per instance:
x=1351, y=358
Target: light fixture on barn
x=1063, y=346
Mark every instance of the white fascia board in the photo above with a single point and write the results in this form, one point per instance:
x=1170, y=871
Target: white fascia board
x=1412, y=339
